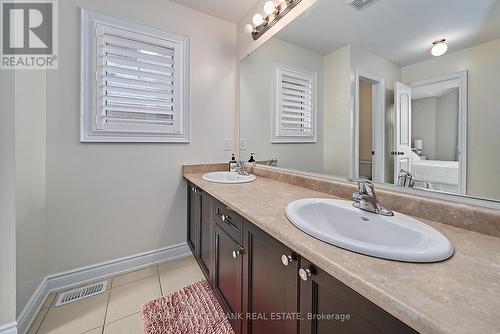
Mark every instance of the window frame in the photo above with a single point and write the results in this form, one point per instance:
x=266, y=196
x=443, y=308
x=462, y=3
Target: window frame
x=89, y=83
x=276, y=136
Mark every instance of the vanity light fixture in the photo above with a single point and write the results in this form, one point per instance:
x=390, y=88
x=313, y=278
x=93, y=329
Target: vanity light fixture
x=258, y=20
x=270, y=8
x=273, y=14
x=440, y=47
x=249, y=28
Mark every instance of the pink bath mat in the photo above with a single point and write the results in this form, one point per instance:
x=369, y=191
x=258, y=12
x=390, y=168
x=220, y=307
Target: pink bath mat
x=190, y=310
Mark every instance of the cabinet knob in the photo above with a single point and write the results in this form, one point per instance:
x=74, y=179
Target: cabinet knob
x=236, y=253
x=286, y=259
x=223, y=217
x=304, y=274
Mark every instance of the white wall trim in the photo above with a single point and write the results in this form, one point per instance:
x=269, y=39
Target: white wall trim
x=83, y=275
x=276, y=136
x=89, y=106
x=10, y=328
x=378, y=125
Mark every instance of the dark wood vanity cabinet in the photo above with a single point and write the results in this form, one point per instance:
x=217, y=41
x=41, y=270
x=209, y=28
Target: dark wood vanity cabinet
x=228, y=269
x=259, y=281
x=193, y=221
x=323, y=296
x=206, y=235
x=270, y=294
x=200, y=228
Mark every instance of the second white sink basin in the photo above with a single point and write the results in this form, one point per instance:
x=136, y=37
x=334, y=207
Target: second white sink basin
x=398, y=237
x=228, y=177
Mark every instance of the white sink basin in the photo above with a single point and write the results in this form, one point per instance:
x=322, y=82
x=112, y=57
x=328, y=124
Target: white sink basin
x=228, y=177
x=398, y=237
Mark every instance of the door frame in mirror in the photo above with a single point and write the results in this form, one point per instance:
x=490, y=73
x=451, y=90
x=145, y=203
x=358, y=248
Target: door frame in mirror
x=462, y=79
x=378, y=125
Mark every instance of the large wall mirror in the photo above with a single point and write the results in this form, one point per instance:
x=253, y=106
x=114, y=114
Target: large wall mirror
x=365, y=93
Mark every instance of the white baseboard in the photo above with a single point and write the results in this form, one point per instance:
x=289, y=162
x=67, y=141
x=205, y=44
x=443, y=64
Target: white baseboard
x=10, y=328
x=79, y=276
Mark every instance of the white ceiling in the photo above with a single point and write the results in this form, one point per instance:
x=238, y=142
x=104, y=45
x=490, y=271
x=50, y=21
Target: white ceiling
x=400, y=31
x=229, y=10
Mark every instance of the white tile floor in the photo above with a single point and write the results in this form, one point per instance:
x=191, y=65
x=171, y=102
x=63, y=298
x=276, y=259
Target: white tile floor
x=117, y=311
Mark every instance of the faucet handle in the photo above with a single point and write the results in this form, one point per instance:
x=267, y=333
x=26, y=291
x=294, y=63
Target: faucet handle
x=359, y=180
x=363, y=184
x=241, y=167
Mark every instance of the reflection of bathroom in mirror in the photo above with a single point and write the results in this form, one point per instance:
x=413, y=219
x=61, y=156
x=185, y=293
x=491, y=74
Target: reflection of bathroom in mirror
x=360, y=93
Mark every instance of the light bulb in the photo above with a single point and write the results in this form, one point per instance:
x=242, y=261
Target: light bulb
x=248, y=28
x=257, y=19
x=440, y=47
x=269, y=8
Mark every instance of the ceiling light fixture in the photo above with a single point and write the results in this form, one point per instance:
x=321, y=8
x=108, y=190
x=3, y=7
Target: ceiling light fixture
x=439, y=48
x=273, y=14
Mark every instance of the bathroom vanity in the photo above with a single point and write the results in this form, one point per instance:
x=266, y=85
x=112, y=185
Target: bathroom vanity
x=257, y=276
x=254, y=258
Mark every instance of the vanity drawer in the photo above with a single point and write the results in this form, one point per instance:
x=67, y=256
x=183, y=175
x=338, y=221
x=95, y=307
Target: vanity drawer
x=229, y=221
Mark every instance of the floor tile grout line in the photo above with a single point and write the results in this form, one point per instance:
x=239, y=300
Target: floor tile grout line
x=161, y=287
x=135, y=280
x=41, y=322
x=127, y=316
x=92, y=329
x=131, y=314
x=173, y=269
x=107, y=305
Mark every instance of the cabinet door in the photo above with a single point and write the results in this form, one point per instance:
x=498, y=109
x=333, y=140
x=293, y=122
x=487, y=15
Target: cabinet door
x=322, y=296
x=228, y=275
x=270, y=284
x=193, y=221
x=206, y=234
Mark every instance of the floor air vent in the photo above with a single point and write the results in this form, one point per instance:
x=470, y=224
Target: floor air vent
x=81, y=293
x=360, y=4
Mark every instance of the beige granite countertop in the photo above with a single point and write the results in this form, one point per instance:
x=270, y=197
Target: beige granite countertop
x=460, y=295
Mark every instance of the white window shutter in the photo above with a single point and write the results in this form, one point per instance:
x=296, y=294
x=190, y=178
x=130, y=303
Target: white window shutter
x=139, y=91
x=295, y=105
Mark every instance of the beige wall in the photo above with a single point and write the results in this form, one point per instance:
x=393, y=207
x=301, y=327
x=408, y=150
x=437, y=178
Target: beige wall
x=106, y=201
x=435, y=121
x=423, y=125
x=365, y=120
x=7, y=200
x=365, y=128
x=391, y=73
x=31, y=223
x=338, y=112
x=340, y=68
x=447, y=126
x=483, y=65
x=257, y=72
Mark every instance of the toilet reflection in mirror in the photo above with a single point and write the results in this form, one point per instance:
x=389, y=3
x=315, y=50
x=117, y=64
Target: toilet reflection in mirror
x=343, y=99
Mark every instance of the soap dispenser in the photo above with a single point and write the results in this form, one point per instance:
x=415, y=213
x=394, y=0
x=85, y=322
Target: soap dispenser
x=251, y=160
x=233, y=165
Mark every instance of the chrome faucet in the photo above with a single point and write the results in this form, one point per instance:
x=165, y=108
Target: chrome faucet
x=240, y=169
x=365, y=198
